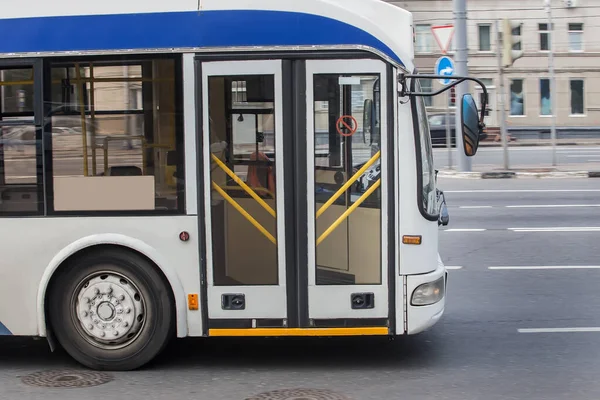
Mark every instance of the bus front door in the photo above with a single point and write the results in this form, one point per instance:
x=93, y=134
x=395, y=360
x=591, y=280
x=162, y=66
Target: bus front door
x=347, y=193
x=295, y=197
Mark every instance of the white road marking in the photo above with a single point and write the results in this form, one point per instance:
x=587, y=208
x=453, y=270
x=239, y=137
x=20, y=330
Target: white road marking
x=475, y=207
x=454, y=267
x=464, y=230
x=553, y=205
x=558, y=330
x=522, y=191
x=581, y=155
x=558, y=229
x=578, y=151
x=534, y=267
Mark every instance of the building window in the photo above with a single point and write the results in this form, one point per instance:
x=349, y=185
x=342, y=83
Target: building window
x=427, y=87
x=544, y=37
x=424, y=39
x=517, y=31
x=488, y=82
x=117, y=137
x=575, y=37
x=517, y=97
x=485, y=37
x=577, y=97
x=545, y=103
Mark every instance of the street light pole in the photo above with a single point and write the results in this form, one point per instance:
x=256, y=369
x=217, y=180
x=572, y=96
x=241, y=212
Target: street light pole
x=548, y=5
x=461, y=55
x=501, y=102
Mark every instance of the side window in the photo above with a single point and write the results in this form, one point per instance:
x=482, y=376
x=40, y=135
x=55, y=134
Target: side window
x=117, y=139
x=20, y=160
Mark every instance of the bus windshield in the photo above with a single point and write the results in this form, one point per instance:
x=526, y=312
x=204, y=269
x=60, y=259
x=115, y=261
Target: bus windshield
x=427, y=188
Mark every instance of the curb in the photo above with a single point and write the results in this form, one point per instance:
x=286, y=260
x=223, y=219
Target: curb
x=517, y=175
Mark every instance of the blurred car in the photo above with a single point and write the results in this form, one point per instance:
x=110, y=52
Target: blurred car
x=437, y=127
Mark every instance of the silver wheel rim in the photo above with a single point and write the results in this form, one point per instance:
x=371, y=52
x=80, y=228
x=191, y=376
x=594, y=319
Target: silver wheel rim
x=110, y=310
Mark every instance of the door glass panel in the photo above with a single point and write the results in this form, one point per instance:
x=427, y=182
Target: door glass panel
x=347, y=137
x=20, y=164
x=242, y=138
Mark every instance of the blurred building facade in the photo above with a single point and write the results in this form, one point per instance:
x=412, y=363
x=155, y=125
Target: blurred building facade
x=576, y=45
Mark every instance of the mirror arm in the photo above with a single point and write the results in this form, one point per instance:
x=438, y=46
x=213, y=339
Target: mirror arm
x=404, y=91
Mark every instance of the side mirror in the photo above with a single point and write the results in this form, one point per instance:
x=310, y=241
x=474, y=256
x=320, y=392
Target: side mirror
x=368, y=120
x=471, y=126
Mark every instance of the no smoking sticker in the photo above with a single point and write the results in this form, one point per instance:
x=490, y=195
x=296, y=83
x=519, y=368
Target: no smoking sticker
x=348, y=122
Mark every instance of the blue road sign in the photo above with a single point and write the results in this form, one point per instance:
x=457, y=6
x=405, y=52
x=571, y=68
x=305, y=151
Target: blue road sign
x=444, y=66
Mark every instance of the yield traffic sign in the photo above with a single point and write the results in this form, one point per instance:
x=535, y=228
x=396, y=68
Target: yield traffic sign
x=443, y=36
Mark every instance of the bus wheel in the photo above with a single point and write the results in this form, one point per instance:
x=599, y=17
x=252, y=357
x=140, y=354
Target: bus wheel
x=111, y=310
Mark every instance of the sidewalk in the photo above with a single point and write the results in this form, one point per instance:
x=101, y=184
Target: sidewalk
x=542, y=142
x=487, y=171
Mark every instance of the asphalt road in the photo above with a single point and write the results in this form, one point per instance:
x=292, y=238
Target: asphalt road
x=483, y=348
x=490, y=158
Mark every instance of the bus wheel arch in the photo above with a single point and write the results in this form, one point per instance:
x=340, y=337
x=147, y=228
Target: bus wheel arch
x=110, y=245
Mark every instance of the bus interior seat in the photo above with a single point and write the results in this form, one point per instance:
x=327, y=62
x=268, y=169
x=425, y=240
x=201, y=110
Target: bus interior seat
x=124, y=170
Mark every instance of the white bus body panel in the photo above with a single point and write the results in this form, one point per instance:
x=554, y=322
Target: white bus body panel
x=32, y=249
x=417, y=264
x=391, y=25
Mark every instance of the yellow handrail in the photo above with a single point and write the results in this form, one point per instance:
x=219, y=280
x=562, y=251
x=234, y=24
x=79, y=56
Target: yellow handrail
x=348, y=212
x=249, y=217
x=240, y=182
x=81, y=88
x=341, y=190
x=93, y=120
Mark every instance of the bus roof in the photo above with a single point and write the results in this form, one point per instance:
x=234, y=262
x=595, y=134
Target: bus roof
x=42, y=26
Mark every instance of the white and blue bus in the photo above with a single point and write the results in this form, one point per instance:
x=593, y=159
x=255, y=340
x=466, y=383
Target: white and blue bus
x=214, y=168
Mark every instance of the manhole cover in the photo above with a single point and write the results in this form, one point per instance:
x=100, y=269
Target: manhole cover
x=66, y=379
x=299, y=394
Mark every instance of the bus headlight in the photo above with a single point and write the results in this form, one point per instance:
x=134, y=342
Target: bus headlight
x=428, y=293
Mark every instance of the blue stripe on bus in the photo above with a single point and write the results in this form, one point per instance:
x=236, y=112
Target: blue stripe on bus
x=4, y=330
x=180, y=29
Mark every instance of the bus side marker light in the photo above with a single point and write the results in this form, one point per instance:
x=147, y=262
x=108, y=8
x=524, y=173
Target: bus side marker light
x=408, y=239
x=193, y=302
x=184, y=236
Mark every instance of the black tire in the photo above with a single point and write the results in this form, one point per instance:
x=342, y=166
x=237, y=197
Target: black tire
x=157, y=323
